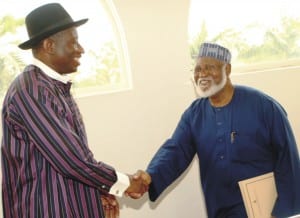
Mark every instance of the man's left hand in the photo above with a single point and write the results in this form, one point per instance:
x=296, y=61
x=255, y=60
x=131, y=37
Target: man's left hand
x=110, y=206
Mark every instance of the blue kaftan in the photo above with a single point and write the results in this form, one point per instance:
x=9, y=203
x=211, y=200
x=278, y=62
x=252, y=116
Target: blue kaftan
x=248, y=137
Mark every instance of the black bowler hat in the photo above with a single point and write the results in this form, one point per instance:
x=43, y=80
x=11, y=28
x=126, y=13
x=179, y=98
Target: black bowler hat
x=45, y=21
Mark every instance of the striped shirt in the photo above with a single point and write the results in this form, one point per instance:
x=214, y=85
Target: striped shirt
x=47, y=167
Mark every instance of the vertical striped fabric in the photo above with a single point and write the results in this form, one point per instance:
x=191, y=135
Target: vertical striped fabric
x=47, y=167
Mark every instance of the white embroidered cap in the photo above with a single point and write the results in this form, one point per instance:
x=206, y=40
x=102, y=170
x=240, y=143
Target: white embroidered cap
x=215, y=51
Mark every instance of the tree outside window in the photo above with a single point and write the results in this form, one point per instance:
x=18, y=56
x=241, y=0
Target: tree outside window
x=261, y=34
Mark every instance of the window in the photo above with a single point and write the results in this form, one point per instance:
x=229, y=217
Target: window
x=261, y=34
x=104, y=66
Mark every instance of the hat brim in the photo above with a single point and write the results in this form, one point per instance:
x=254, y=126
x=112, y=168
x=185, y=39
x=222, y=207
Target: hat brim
x=38, y=38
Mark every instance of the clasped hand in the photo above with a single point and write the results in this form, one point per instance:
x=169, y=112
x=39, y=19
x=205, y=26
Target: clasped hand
x=110, y=206
x=139, y=184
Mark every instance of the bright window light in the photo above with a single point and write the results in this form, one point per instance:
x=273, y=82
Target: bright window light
x=261, y=34
x=104, y=66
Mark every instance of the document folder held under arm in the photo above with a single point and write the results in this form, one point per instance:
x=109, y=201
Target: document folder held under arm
x=259, y=195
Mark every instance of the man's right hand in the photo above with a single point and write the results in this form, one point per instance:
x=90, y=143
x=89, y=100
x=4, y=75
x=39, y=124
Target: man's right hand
x=139, y=184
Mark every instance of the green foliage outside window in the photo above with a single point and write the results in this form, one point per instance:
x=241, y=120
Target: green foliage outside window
x=282, y=42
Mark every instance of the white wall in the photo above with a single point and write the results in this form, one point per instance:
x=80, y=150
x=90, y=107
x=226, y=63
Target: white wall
x=125, y=129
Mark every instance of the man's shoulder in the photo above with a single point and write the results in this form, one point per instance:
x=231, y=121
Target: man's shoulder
x=28, y=80
x=31, y=70
x=257, y=97
x=248, y=90
x=252, y=93
x=197, y=106
x=199, y=102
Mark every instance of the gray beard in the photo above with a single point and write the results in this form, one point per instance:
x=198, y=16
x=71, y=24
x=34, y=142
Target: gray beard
x=215, y=88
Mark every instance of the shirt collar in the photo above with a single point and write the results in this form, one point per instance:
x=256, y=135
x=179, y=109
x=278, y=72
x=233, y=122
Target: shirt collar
x=51, y=73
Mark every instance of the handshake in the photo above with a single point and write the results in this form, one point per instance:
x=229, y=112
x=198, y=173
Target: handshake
x=139, y=184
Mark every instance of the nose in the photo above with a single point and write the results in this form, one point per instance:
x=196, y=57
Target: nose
x=200, y=73
x=79, y=48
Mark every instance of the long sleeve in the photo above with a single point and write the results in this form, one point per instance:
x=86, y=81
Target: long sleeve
x=48, y=169
x=55, y=127
x=287, y=165
x=173, y=157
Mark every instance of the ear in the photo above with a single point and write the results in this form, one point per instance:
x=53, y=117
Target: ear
x=48, y=45
x=228, y=69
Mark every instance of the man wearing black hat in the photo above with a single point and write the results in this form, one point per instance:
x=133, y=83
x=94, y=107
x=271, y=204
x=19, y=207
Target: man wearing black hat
x=237, y=133
x=48, y=169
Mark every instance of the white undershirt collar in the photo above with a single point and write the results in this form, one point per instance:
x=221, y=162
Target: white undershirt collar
x=50, y=72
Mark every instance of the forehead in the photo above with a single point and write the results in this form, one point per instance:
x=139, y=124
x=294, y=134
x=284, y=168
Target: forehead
x=207, y=61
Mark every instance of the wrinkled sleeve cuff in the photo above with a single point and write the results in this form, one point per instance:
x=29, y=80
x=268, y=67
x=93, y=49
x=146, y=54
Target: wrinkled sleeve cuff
x=120, y=186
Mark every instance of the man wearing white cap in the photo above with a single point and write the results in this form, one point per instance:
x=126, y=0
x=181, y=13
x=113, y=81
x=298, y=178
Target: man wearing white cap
x=237, y=133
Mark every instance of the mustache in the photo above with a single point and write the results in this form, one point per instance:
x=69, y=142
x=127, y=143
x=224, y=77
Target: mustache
x=209, y=79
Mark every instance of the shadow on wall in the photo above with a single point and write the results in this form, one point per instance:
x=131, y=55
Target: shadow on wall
x=138, y=204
